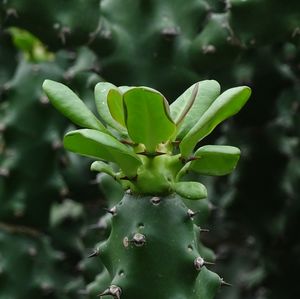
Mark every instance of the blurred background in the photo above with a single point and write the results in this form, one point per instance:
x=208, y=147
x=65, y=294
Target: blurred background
x=51, y=205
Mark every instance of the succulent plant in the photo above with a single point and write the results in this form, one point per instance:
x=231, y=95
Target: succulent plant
x=148, y=146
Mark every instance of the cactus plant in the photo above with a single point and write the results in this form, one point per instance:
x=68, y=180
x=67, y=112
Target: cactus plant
x=29, y=266
x=153, y=249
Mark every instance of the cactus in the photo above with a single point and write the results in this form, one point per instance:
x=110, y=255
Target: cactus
x=66, y=23
x=29, y=128
x=153, y=248
x=31, y=268
x=36, y=175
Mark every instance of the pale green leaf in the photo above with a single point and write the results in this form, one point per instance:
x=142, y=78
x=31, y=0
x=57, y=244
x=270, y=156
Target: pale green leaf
x=95, y=144
x=190, y=190
x=108, y=101
x=227, y=104
x=208, y=91
x=147, y=117
x=215, y=159
x=69, y=104
x=115, y=105
x=100, y=166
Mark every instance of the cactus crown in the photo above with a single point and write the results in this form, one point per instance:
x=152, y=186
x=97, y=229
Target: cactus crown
x=150, y=145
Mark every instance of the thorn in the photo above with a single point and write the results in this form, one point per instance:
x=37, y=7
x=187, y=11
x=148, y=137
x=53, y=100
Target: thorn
x=12, y=12
x=199, y=262
x=160, y=153
x=151, y=154
x=46, y=287
x=64, y=191
x=184, y=161
x=112, y=211
x=211, y=206
x=95, y=253
x=296, y=32
x=18, y=213
x=32, y=251
x=63, y=33
x=44, y=100
x=56, y=144
x=2, y=128
x=225, y=284
x=106, y=34
x=191, y=159
x=191, y=213
x=204, y=230
x=208, y=49
x=139, y=240
x=100, y=225
x=113, y=290
x=128, y=142
x=4, y=172
x=63, y=161
x=170, y=33
x=94, y=226
x=155, y=200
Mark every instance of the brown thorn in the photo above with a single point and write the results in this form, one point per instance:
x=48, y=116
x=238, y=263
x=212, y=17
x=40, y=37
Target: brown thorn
x=128, y=142
x=191, y=159
x=4, y=172
x=169, y=33
x=100, y=225
x=112, y=211
x=95, y=253
x=225, y=284
x=151, y=154
x=113, y=290
x=191, y=213
x=208, y=263
x=12, y=12
x=199, y=262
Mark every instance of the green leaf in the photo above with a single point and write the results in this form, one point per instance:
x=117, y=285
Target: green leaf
x=208, y=91
x=108, y=101
x=207, y=284
x=69, y=104
x=115, y=105
x=147, y=117
x=95, y=144
x=100, y=166
x=190, y=190
x=33, y=49
x=227, y=104
x=215, y=159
